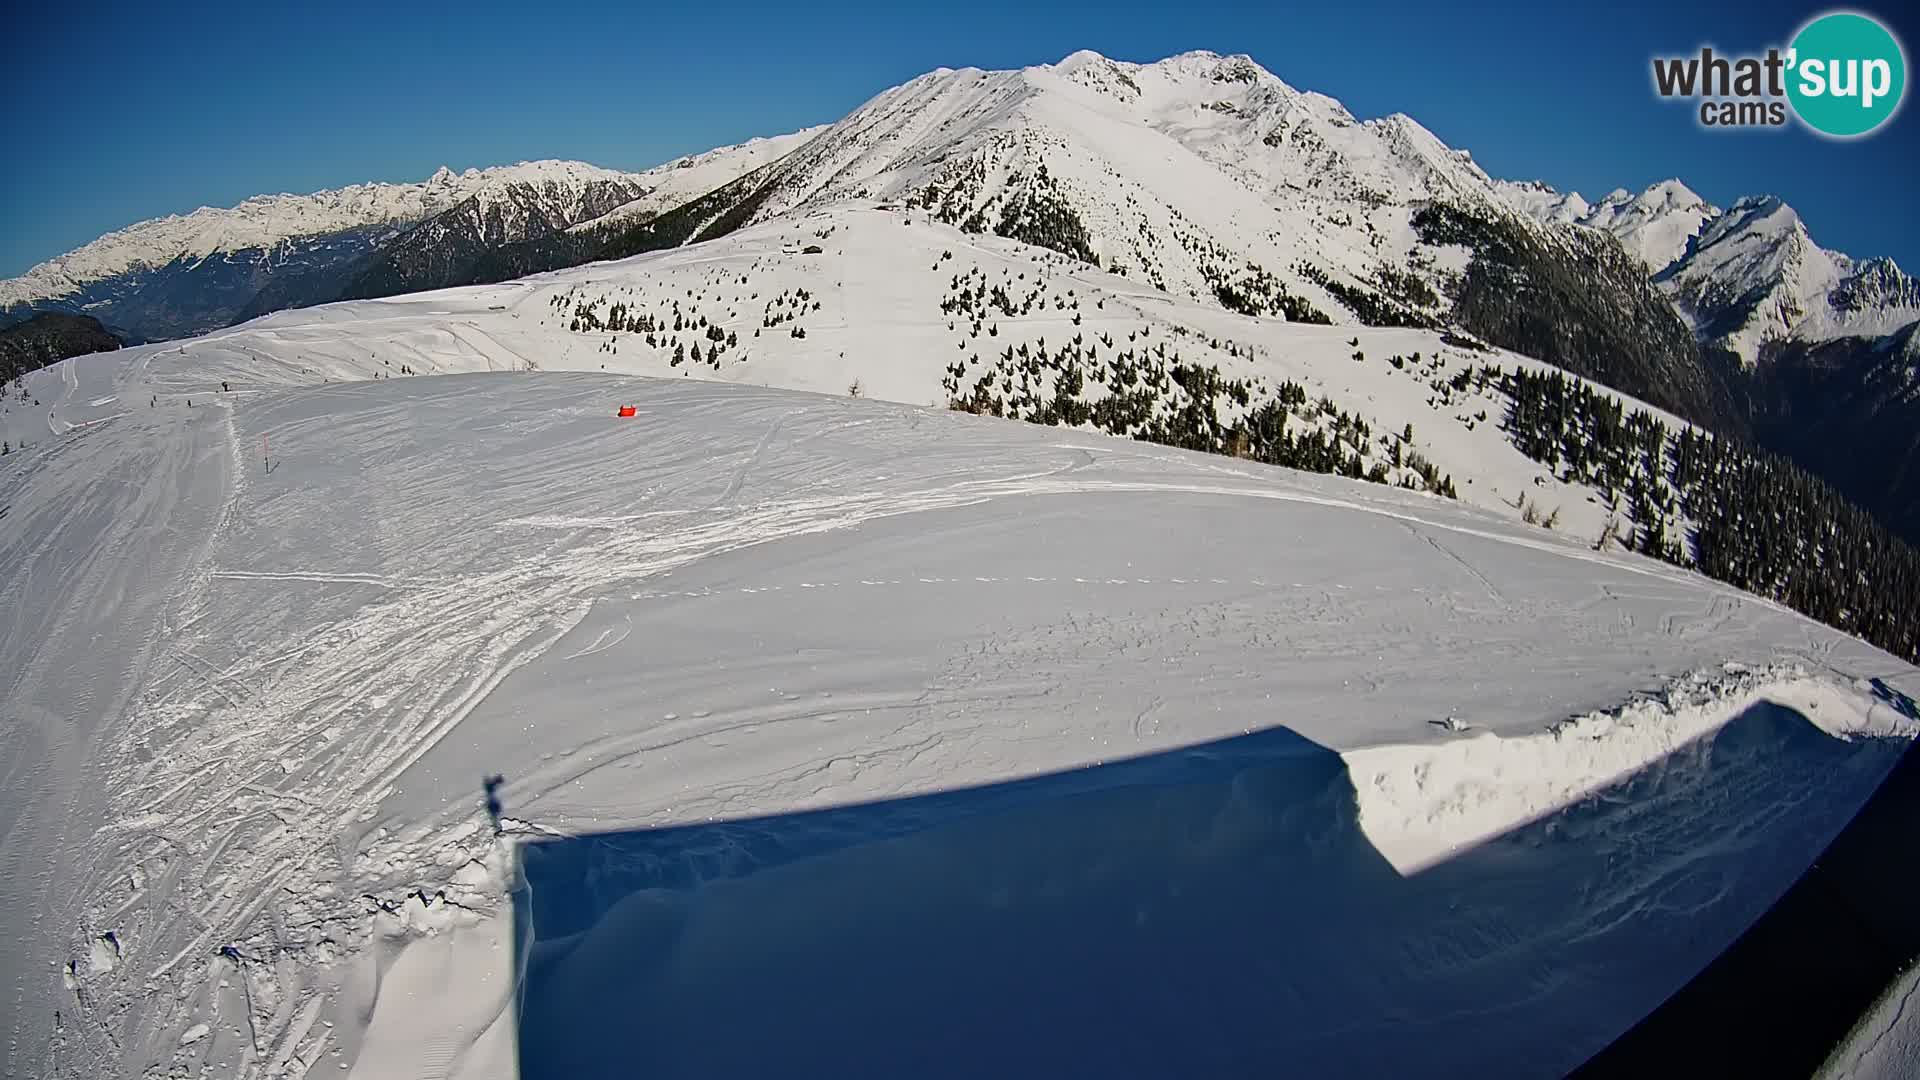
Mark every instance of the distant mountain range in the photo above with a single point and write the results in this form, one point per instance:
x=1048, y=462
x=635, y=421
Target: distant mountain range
x=186, y=274
x=1203, y=176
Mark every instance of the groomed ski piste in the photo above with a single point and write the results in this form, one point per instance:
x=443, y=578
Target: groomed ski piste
x=1162, y=752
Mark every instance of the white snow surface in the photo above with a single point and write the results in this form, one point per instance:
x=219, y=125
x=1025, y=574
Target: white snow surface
x=247, y=711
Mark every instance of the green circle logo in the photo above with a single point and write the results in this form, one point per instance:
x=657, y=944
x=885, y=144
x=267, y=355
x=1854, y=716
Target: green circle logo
x=1847, y=76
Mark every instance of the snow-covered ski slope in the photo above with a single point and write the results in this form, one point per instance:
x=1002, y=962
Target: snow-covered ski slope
x=248, y=710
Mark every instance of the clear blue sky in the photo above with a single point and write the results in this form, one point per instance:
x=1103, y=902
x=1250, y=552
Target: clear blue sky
x=118, y=113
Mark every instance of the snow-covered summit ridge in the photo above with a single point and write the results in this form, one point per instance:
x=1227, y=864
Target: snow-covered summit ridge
x=1245, y=120
x=1654, y=225
x=1754, y=276
x=263, y=221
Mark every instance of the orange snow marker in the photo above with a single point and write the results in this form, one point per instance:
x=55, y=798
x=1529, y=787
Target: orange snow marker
x=626, y=410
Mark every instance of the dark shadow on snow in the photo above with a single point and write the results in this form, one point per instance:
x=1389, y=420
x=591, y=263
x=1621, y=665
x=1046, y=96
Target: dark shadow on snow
x=1782, y=997
x=1215, y=910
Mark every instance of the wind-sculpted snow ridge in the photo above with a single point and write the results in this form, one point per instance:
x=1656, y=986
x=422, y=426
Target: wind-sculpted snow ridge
x=1421, y=805
x=267, y=647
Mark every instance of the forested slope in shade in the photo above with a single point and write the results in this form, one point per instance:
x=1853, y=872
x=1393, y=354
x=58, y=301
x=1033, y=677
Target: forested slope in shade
x=46, y=338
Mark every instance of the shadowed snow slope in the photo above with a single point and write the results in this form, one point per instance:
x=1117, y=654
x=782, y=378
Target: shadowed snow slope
x=247, y=711
x=1213, y=911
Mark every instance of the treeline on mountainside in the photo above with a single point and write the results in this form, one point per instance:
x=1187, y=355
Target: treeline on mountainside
x=1391, y=302
x=1707, y=502
x=1149, y=393
x=1577, y=300
x=1040, y=214
x=1035, y=209
x=1747, y=517
x=48, y=338
x=1847, y=410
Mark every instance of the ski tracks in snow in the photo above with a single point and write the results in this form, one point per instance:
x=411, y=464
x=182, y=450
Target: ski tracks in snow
x=245, y=790
x=97, y=522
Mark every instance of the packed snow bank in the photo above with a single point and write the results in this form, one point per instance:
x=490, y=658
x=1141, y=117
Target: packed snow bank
x=1421, y=804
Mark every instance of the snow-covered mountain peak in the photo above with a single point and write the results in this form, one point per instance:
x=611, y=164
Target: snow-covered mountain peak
x=1670, y=194
x=1441, y=170
x=1755, y=276
x=1877, y=284
x=1094, y=71
x=1654, y=225
x=1746, y=276
x=1542, y=201
x=1078, y=60
x=1757, y=235
x=1209, y=66
x=1196, y=78
x=1756, y=215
